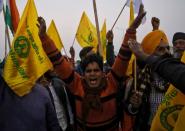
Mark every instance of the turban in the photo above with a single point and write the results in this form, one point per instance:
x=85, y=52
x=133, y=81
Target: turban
x=152, y=40
x=177, y=36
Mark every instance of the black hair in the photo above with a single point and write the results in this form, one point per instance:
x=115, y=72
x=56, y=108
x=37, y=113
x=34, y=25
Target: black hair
x=90, y=59
x=84, y=51
x=177, y=36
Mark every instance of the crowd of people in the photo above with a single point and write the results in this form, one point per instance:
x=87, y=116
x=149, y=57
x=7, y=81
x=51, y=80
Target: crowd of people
x=94, y=95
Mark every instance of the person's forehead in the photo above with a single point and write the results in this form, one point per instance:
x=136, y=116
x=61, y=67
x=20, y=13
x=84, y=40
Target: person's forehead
x=180, y=40
x=163, y=45
x=93, y=64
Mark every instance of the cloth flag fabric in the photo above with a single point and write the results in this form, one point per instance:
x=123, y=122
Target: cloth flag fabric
x=86, y=34
x=171, y=112
x=8, y=20
x=54, y=35
x=131, y=12
x=103, y=39
x=136, y=5
x=1, y=5
x=12, y=15
x=26, y=61
x=180, y=124
x=129, y=69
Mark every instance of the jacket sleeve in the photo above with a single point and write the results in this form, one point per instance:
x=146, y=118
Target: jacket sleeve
x=170, y=69
x=110, y=54
x=62, y=66
x=121, y=62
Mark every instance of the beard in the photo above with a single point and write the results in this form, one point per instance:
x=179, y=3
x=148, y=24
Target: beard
x=178, y=54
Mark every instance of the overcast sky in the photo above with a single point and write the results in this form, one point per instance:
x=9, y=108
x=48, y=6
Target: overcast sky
x=67, y=14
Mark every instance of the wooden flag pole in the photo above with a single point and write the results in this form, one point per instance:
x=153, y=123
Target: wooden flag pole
x=100, y=49
x=135, y=75
x=65, y=51
x=119, y=15
x=74, y=40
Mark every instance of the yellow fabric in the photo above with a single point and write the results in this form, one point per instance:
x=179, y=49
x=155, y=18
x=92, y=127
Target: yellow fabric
x=86, y=34
x=152, y=40
x=103, y=39
x=54, y=35
x=131, y=12
x=180, y=124
x=167, y=116
x=130, y=65
x=129, y=69
x=26, y=61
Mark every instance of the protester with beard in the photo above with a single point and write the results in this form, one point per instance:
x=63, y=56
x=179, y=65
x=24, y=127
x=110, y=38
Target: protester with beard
x=173, y=103
x=151, y=87
x=178, y=44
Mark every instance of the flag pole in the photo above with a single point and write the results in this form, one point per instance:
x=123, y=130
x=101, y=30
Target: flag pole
x=97, y=28
x=135, y=75
x=74, y=40
x=119, y=15
x=65, y=51
x=6, y=29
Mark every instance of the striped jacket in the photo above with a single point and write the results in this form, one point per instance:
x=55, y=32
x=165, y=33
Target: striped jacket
x=107, y=119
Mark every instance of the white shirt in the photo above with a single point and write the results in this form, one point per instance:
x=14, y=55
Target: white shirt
x=59, y=109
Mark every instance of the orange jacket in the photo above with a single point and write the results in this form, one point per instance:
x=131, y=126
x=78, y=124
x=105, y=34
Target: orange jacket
x=107, y=118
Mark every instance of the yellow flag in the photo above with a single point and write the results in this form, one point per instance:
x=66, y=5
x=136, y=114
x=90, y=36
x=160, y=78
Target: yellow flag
x=131, y=12
x=180, y=124
x=129, y=69
x=26, y=61
x=130, y=65
x=54, y=35
x=169, y=113
x=86, y=34
x=103, y=39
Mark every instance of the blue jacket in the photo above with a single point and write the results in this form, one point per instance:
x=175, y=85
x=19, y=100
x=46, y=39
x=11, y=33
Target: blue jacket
x=33, y=112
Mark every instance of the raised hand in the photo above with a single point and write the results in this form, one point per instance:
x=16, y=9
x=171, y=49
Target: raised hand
x=72, y=51
x=137, y=49
x=41, y=26
x=110, y=36
x=139, y=18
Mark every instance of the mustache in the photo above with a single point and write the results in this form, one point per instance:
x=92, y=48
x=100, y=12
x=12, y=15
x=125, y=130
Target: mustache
x=168, y=55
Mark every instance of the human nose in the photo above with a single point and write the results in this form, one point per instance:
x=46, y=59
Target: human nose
x=92, y=72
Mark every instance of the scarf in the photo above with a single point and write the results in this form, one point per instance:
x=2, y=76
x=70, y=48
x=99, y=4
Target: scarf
x=91, y=100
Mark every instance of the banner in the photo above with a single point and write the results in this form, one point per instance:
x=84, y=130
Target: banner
x=26, y=61
x=171, y=111
x=54, y=35
x=86, y=34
